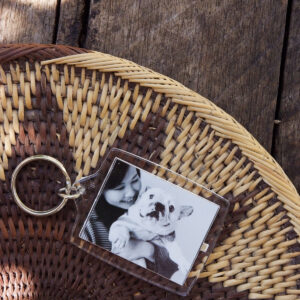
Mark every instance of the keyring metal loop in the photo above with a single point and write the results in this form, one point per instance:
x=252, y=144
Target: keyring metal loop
x=65, y=197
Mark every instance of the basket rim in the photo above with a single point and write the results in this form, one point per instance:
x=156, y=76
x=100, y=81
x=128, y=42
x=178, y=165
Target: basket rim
x=46, y=57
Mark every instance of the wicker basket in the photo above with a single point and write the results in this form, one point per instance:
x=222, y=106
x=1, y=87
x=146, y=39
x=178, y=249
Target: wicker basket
x=76, y=108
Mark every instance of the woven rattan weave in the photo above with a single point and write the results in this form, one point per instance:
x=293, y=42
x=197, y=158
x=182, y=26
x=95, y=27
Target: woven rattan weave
x=76, y=108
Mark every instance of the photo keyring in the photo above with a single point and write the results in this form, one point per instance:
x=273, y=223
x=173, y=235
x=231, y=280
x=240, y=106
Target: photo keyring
x=144, y=219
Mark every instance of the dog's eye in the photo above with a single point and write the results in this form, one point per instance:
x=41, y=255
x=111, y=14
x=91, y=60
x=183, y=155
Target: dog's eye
x=171, y=208
x=151, y=196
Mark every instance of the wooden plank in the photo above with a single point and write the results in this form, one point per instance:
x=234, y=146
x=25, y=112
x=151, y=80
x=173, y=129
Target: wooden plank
x=27, y=21
x=70, y=22
x=228, y=51
x=287, y=138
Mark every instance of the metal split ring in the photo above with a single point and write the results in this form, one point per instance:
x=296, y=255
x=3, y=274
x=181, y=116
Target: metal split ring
x=66, y=193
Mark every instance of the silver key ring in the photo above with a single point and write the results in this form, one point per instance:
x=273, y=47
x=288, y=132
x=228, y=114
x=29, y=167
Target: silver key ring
x=69, y=192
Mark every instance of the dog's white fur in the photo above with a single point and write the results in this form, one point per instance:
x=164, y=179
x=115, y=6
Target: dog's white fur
x=147, y=220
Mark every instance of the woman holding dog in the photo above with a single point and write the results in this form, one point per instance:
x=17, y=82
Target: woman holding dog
x=121, y=191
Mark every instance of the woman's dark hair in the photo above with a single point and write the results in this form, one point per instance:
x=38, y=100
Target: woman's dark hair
x=105, y=211
x=117, y=175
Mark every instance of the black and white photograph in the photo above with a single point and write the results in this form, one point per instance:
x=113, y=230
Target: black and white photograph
x=149, y=221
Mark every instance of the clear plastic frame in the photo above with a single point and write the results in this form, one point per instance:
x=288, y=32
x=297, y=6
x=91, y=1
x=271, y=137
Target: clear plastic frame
x=148, y=221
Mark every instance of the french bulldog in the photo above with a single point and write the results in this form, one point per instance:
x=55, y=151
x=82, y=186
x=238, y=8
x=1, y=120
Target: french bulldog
x=153, y=217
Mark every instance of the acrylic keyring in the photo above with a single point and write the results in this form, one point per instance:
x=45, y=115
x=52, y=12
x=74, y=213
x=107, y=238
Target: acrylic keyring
x=148, y=220
x=68, y=192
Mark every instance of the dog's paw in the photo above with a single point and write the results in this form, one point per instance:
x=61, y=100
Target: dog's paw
x=120, y=242
x=119, y=239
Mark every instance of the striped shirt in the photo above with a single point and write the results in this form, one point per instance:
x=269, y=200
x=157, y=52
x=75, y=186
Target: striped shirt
x=96, y=232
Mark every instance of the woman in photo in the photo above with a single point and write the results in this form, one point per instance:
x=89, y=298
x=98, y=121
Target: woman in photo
x=120, y=192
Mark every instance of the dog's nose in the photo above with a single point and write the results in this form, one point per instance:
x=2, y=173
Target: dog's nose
x=159, y=207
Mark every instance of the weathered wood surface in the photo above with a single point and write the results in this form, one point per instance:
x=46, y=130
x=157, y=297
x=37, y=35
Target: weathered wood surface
x=287, y=135
x=27, y=21
x=228, y=51
x=70, y=24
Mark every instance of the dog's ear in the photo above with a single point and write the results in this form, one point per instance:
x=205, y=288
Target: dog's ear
x=185, y=211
